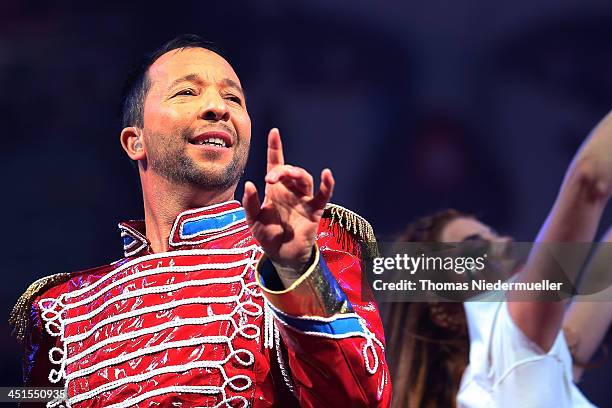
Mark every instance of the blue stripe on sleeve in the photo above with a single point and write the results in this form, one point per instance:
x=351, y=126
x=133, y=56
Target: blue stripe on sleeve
x=339, y=326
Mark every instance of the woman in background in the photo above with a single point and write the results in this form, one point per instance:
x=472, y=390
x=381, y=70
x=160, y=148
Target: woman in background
x=498, y=354
x=428, y=343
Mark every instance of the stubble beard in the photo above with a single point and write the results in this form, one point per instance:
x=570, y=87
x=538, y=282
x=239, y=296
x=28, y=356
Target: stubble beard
x=170, y=160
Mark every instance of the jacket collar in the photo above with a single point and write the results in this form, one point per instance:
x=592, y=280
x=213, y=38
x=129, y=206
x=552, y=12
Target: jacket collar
x=191, y=227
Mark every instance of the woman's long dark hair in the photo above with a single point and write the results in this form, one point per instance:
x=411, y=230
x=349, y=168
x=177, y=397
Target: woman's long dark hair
x=427, y=344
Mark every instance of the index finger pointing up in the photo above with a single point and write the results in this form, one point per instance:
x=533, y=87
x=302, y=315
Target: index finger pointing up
x=275, y=149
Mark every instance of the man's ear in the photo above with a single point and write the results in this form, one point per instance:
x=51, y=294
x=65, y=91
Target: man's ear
x=133, y=143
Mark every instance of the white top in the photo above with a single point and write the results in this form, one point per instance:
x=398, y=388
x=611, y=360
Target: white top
x=506, y=369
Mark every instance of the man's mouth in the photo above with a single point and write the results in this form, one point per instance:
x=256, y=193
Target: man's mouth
x=214, y=139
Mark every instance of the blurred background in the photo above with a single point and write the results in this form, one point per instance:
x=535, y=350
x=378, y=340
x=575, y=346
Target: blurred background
x=416, y=106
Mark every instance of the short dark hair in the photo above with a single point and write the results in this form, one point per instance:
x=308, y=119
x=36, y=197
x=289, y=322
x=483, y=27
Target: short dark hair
x=137, y=83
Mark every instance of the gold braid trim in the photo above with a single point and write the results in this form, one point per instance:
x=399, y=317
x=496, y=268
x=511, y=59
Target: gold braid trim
x=20, y=316
x=354, y=224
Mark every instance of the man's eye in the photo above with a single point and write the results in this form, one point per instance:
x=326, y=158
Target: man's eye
x=234, y=98
x=188, y=92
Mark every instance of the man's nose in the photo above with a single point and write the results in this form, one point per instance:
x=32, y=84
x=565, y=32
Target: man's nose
x=214, y=108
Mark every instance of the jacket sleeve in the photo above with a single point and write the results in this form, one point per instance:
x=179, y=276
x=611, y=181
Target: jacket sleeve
x=29, y=329
x=333, y=337
x=36, y=344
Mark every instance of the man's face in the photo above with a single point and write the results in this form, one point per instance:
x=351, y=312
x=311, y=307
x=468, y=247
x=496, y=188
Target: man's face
x=197, y=130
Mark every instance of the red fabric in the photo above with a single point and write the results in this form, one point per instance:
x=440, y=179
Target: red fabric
x=93, y=306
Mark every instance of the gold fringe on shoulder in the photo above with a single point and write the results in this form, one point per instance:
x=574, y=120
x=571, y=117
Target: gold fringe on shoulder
x=354, y=224
x=20, y=316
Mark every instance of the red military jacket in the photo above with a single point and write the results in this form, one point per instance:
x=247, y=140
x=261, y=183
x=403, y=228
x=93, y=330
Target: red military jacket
x=208, y=324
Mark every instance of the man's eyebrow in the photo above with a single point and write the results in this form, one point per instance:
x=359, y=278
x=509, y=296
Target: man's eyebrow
x=186, y=78
x=233, y=84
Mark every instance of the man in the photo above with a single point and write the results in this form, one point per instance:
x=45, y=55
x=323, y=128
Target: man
x=214, y=304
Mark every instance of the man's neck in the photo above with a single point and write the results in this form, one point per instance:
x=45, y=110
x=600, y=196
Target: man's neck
x=164, y=200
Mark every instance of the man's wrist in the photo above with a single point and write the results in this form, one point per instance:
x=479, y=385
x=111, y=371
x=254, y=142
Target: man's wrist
x=315, y=293
x=288, y=274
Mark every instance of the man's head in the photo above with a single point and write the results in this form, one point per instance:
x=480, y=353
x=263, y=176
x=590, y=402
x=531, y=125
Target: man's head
x=185, y=116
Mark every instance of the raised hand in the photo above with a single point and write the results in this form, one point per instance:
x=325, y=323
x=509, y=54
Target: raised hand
x=286, y=223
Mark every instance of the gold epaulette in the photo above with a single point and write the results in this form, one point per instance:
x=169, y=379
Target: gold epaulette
x=20, y=316
x=355, y=224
